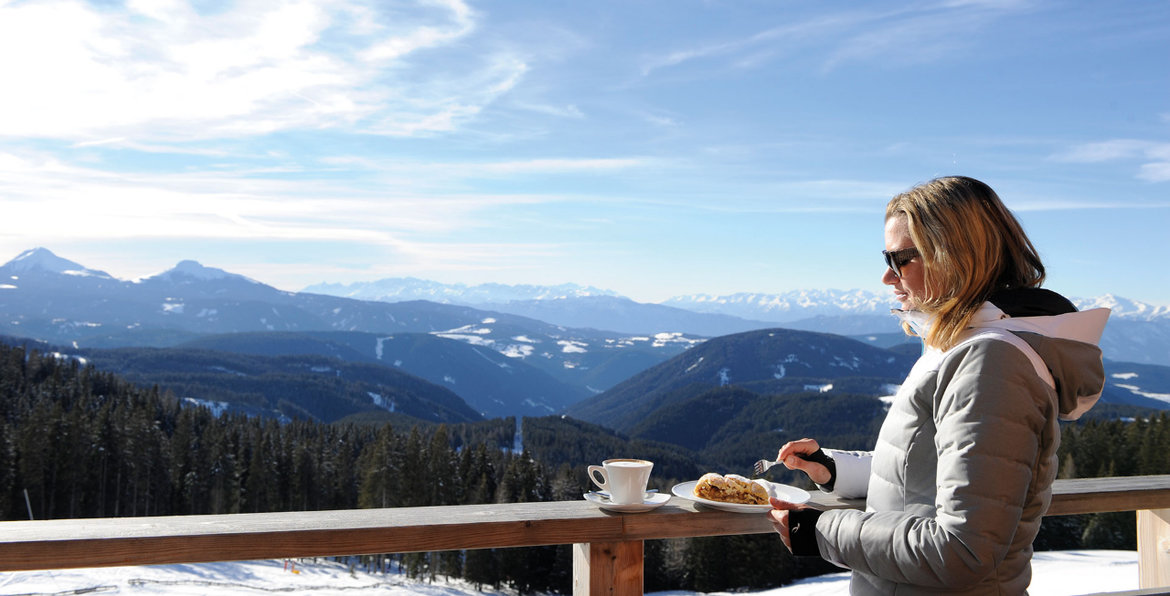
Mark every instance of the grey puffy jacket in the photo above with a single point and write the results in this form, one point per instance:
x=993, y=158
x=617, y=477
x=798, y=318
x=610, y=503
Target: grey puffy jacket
x=963, y=467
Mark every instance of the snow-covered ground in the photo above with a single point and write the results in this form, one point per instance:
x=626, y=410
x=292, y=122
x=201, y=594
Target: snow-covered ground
x=1054, y=573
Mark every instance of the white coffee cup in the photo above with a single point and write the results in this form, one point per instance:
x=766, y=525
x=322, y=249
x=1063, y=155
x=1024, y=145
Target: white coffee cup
x=624, y=479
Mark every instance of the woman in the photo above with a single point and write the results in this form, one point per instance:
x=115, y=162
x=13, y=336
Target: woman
x=962, y=470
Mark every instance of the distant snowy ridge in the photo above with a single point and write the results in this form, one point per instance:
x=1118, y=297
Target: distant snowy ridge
x=799, y=304
x=787, y=306
x=1124, y=307
x=780, y=307
x=403, y=289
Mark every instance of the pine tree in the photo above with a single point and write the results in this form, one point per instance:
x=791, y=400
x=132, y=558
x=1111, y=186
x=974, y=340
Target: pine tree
x=442, y=484
x=414, y=467
x=8, y=497
x=380, y=471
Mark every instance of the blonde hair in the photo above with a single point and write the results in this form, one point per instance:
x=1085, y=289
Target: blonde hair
x=971, y=246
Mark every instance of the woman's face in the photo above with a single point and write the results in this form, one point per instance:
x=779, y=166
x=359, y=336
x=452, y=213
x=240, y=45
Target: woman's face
x=910, y=289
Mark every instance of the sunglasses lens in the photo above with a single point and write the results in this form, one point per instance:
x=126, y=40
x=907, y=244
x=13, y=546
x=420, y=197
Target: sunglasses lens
x=890, y=264
x=897, y=258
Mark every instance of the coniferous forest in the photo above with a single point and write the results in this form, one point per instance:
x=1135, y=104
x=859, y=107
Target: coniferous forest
x=76, y=442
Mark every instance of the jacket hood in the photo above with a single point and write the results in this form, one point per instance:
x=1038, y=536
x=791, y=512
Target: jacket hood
x=1067, y=345
x=1065, y=342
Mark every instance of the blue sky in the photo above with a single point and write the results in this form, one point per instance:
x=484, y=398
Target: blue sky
x=653, y=148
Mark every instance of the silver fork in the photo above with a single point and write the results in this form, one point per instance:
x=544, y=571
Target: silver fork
x=763, y=466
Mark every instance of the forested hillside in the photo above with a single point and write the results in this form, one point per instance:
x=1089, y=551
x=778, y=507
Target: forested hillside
x=306, y=387
x=769, y=361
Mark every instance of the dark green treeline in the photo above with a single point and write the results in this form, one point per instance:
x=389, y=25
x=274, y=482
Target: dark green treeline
x=76, y=442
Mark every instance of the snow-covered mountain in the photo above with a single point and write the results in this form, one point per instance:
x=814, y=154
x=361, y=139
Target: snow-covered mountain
x=41, y=291
x=803, y=304
x=788, y=306
x=188, y=270
x=756, y=307
x=1124, y=308
x=403, y=289
x=43, y=260
x=540, y=367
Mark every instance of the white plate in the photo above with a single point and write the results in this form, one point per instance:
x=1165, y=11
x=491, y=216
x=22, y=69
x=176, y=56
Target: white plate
x=783, y=492
x=651, y=501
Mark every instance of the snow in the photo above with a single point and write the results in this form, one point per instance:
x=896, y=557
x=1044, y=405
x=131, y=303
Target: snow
x=518, y=351
x=573, y=347
x=41, y=259
x=1053, y=573
x=80, y=360
x=217, y=407
x=380, y=401
x=474, y=340
x=1138, y=391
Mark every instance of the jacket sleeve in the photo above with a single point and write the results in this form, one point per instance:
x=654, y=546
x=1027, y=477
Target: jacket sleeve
x=852, y=478
x=989, y=412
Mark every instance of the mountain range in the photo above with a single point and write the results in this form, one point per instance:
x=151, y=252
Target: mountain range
x=503, y=364
x=1137, y=332
x=629, y=366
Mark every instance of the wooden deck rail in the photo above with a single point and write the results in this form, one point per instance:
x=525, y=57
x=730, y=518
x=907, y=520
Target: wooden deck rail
x=607, y=546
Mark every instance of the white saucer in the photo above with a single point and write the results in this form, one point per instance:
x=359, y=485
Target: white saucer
x=651, y=501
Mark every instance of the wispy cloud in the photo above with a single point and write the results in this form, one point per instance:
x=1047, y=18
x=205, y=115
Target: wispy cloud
x=165, y=71
x=449, y=171
x=41, y=193
x=1155, y=155
x=918, y=32
x=1103, y=151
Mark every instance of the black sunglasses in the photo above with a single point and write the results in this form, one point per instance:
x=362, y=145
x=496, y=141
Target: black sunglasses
x=896, y=259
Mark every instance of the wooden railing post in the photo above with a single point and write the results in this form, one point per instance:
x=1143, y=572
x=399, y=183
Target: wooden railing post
x=608, y=568
x=1153, y=543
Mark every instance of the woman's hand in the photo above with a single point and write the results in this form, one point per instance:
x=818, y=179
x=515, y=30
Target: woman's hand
x=779, y=515
x=791, y=456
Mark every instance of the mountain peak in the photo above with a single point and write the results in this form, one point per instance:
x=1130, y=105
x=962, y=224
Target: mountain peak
x=1123, y=307
x=194, y=269
x=44, y=260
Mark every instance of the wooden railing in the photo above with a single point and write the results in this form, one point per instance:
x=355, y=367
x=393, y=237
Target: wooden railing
x=607, y=546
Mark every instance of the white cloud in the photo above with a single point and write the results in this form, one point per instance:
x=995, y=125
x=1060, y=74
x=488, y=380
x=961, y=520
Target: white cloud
x=1156, y=156
x=1155, y=172
x=1104, y=151
x=40, y=193
x=553, y=165
x=394, y=47
x=164, y=71
x=422, y=172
